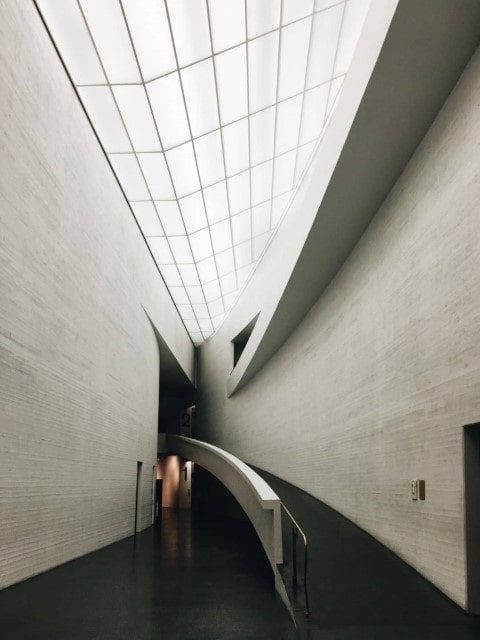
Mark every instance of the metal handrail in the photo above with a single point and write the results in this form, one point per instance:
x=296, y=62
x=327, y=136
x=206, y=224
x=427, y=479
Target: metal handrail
x=296, y=529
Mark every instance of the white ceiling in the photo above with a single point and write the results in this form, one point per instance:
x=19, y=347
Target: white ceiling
x=209, y=111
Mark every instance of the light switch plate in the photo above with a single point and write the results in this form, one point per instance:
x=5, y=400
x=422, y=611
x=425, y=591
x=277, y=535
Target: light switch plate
x=414, y=489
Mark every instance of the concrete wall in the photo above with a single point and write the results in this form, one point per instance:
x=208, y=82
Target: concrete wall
x=79, y=362
x=373, y=387
x=168, y=470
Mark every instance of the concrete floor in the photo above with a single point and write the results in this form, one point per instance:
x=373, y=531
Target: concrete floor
x=206, y=578
x=358, y=589
x=193, y=578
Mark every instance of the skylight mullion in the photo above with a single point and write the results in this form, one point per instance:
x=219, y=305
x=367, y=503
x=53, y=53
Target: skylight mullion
x=190, y=64
x=157, y=131
x=106, y=27
x=159, y=138
x=115, y=101
x=221, y=129
x=335, y=59
x=303, y=98
x=296, y=47
x=233, y=122
x=249, y=131
x=67, y=28
x=206, y=227
x=213, y=184
x=276, y=110
x=186, y=108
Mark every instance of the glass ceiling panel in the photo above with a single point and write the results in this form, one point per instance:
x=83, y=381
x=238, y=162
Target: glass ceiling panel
x=105, y=117
x=216, y=202
x=262, y=16
x=241, y=227
x=156, y=174
x=293, y=58
x=209, y=154
x=262, y=71
x=289, y=114
x=325, y=31
x=324, y=4
x=227, y=20
x=147, y=218
x=231, y=72
x=296, y=9
x=171, y=276
x=189, y=22
x=209, y=111
x=109, y=32
x=207, y=270
x=236, y=147
x=193, y=212
x=166, y=98
x=135, y=111
x=129, y=174
x=199, y=88
x=284, y=172
x=201, y=244
x=261, y=178
x=303, y=156
x=262, y=132
x=72, y=38
x=161, y=250
x=148, y=24
x=183, y=167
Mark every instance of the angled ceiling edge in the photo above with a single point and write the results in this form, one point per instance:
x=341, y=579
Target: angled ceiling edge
x=410, y=81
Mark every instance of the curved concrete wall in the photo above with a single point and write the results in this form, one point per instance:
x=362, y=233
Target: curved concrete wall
x=373, y=387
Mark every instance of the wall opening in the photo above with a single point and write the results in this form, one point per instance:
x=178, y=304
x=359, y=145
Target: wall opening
x=471, y=449
x=138, y=498
x=154, y=482
x=174, y=481
x=240, y=341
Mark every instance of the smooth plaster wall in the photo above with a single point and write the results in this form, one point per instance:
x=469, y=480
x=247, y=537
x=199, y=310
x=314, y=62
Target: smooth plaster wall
x=373, y=387
x=79, y=361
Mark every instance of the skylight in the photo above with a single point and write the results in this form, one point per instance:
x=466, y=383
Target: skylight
x=209, y=110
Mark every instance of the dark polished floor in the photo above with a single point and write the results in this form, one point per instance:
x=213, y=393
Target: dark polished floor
x=195, y=578
x=358, y=589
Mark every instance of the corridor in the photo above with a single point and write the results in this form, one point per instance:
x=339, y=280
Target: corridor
x=197, y=578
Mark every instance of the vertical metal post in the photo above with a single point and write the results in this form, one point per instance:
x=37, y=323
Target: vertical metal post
x=307, y=606
x=294, y=551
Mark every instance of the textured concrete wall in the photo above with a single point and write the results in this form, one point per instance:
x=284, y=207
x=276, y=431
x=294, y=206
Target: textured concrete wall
x=79, y=362
x=373, y=387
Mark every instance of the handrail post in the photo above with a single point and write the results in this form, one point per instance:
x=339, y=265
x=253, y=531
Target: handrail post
x=307, y=606
x=295, y=531
x=294, y=552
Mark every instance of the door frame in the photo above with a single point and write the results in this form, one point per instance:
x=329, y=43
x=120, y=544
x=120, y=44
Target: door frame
x=138, y=498
x=471, y=467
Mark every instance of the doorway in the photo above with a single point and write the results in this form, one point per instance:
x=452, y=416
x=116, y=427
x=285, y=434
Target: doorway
x=471, y=449
x=138, y=498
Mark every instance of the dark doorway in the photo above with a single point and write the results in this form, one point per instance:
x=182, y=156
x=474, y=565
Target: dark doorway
x=158, y=501
x=138, y=498
x=471, y=439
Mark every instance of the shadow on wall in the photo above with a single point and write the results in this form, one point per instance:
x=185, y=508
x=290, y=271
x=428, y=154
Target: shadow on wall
x=212, y=497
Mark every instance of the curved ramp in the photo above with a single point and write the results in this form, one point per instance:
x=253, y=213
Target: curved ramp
x=360, y=589
x=256, y=497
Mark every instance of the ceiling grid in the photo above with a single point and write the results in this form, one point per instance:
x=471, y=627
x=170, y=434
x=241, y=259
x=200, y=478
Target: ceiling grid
x=209, y=112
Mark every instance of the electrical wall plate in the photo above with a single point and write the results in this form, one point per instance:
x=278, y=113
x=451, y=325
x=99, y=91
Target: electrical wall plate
x=418, y=489
x=414, y=489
